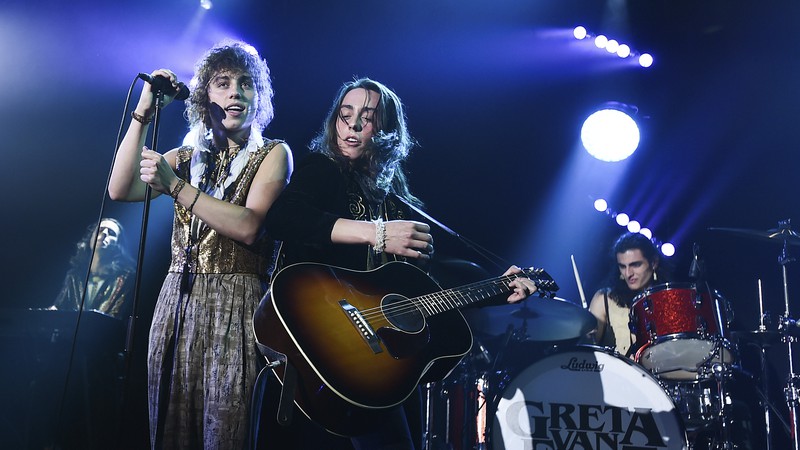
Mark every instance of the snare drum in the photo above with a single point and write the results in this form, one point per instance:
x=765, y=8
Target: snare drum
x=585, y=398
x=682, y=330
x=698, y=402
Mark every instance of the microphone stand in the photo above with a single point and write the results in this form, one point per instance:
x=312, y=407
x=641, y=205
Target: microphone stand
x=130, y=334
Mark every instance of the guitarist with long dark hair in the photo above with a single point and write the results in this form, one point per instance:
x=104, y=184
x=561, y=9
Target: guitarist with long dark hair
x=347, y=207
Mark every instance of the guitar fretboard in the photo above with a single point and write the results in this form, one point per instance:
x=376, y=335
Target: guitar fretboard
x=449, y=299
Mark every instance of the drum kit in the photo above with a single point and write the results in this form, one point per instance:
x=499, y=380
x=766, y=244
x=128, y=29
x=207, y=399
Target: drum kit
x=535, y=380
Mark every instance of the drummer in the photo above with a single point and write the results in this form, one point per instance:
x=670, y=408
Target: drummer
x=636, y=267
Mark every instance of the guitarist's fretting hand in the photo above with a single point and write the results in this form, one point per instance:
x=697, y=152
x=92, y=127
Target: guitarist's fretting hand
x=409, y=238
x=523, y=287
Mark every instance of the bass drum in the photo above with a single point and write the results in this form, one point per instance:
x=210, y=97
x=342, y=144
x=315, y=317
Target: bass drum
x=587, y=398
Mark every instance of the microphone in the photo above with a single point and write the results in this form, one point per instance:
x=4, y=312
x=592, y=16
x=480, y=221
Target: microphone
x=163, y=84
x=696, y=268
x=483, y=354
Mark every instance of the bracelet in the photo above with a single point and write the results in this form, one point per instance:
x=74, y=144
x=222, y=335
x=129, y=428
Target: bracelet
x=178, y=187
x=140, y=118
x=196, y=196
x=380, y=235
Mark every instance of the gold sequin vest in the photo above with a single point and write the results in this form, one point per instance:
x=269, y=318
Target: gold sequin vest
x=209, y=251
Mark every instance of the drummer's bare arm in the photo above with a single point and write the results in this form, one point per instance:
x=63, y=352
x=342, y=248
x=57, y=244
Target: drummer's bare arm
x=598, y=309
x=522, y=287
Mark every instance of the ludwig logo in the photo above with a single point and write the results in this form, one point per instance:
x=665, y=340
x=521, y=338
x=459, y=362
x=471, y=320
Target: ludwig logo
x=583, y=366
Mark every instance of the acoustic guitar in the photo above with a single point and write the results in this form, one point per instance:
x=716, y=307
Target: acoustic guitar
x=361, y=341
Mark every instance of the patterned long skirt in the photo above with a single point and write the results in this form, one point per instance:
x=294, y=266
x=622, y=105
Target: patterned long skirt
x=203, y=362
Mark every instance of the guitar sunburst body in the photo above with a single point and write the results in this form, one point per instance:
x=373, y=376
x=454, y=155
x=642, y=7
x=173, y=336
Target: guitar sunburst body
x=361, y=341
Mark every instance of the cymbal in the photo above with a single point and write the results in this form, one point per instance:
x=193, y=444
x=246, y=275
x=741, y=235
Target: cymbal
x=776, y=235
x=545, y=319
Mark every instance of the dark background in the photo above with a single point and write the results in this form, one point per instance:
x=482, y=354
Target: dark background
x=495, y=93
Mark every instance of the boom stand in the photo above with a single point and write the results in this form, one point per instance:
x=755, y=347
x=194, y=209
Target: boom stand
x=129, y=337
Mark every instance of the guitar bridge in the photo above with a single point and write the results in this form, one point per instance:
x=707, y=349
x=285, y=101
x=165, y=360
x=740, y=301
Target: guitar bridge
x=363, y=327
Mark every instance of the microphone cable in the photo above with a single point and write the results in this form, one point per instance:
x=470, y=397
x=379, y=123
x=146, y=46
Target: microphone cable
x=131, y=319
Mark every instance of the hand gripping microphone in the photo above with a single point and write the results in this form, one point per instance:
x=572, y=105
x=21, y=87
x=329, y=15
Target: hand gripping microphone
x=163, y=84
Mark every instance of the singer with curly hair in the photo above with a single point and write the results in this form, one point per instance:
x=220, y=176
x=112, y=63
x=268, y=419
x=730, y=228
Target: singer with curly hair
x=202, y=359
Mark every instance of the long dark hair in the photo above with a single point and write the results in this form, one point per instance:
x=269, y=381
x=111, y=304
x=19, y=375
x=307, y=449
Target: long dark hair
x=618, y=288
x=119, y=258
x=380, y=167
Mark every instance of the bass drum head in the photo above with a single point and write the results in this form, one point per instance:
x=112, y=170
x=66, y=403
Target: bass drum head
x=586, y=398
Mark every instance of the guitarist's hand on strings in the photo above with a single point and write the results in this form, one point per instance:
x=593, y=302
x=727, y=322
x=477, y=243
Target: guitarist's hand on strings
x=523, y=287
x=408, y=238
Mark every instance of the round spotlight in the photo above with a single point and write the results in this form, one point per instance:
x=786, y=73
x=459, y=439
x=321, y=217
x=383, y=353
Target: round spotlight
x=612, y=46
x=646, y=233
x=634, y=226
x=600, y=41
x=667, y=249
x=206, y=4
x=623, y=51
x=600, y=205
x=610, y=135
x=622, y=219
x=645, y=60
x=579, y=32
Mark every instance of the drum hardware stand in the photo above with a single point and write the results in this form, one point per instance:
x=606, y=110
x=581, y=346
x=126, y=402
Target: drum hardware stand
x=791, y=390
x=511, y=332
x=720, y=376
x=770, y=410
x=762, y=353
x=764, y=397
x=427, y=432
x=786, y=327
x=766, y=405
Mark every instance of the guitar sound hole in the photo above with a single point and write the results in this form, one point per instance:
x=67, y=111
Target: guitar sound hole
x=401, y=313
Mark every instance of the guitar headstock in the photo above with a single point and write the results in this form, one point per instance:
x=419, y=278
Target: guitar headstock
x=546, y=286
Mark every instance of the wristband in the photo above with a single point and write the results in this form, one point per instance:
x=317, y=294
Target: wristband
x=196, y=196
x=140, y=118
x=380, y=235
x=177, y=190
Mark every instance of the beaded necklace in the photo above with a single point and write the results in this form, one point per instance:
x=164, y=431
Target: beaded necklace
x=219, y=168
x=217, y=171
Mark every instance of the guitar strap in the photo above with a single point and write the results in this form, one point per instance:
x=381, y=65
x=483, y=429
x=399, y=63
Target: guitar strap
x=285, y=406
x=288, y=384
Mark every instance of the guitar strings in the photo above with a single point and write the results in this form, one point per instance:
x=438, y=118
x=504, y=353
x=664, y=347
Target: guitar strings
x=430, y=304
x=412, y=305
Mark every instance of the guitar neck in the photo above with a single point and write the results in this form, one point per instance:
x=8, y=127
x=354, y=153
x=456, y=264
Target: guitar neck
x=460, y=297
